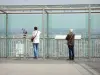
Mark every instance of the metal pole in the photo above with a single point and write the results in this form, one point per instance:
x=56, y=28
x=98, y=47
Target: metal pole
x=18, y=9
x=43, y=31
x=47, y=35
x=89, y=31
x=24, y=41
x=3, y=11
x=51, y=12
x=6, y=35
x=46, y=49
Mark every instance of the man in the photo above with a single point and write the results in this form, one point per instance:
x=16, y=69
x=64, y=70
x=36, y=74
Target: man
x=36, y=41
x=70, y=43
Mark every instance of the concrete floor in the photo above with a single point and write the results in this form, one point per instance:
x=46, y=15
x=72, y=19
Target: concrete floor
x=44, y=67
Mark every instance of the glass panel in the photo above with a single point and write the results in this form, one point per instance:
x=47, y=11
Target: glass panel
x=61, y=23
x=2, y=25
x=95, y=34
x=26, y=21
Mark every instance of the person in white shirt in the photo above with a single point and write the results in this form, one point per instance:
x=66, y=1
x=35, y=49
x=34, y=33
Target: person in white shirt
x=36, y=41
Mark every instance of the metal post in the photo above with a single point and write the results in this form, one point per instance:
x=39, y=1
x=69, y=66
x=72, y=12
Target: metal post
x=6, y=35
x=57, y=49
x=43, y=31
x=89, y=31
x=47, y=35
x=24, y=41
x=47, y=38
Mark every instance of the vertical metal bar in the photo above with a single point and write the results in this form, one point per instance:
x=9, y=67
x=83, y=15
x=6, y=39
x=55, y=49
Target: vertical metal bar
x=89, y=31
x=92, y=49
x=57, y=49
x=43, y=31
x=84, y=47
x=78, y=49
x=47, y=35
x=6, y=35
x=1, y=48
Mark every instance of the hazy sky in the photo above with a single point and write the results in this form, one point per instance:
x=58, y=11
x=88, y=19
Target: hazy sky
x=47, y=2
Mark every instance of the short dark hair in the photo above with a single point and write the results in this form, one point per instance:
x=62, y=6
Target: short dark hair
x=35, y=28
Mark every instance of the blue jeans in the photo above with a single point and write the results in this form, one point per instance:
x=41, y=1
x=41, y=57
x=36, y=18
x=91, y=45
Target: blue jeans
x=35, y=48
x=71, y=52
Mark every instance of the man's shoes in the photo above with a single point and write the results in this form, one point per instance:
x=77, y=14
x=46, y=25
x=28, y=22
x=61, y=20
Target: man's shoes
x=35, y=57
x=68, y=59
x=72, y=59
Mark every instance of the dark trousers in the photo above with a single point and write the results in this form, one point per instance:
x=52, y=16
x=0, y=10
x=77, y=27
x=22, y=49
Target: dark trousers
x=71, y=52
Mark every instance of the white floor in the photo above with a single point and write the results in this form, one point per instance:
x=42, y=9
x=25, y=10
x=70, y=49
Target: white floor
x=28, y=67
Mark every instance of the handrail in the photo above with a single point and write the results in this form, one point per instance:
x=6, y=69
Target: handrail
x=45, y=38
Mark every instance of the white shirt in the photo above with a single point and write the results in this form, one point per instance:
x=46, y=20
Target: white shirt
x=37, y=38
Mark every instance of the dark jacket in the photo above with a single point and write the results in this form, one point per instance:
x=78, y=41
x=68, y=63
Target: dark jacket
x=70, y=39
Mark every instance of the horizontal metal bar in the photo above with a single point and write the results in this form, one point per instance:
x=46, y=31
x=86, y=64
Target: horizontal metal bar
x=24, y=38
x=85, y=5
x=22, y=13
x=21, y=9
x=48, y=12
x=3, y=11
x=16, y=9
x=45, y=38
x=69, y=12
x=92, y=8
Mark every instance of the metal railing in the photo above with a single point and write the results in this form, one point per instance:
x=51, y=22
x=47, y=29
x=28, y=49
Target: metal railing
x=55, y=48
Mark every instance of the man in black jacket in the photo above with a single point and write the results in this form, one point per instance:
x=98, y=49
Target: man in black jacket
x=70, y=43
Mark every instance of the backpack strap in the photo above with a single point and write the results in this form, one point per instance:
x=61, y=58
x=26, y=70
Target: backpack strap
x=36, y=34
